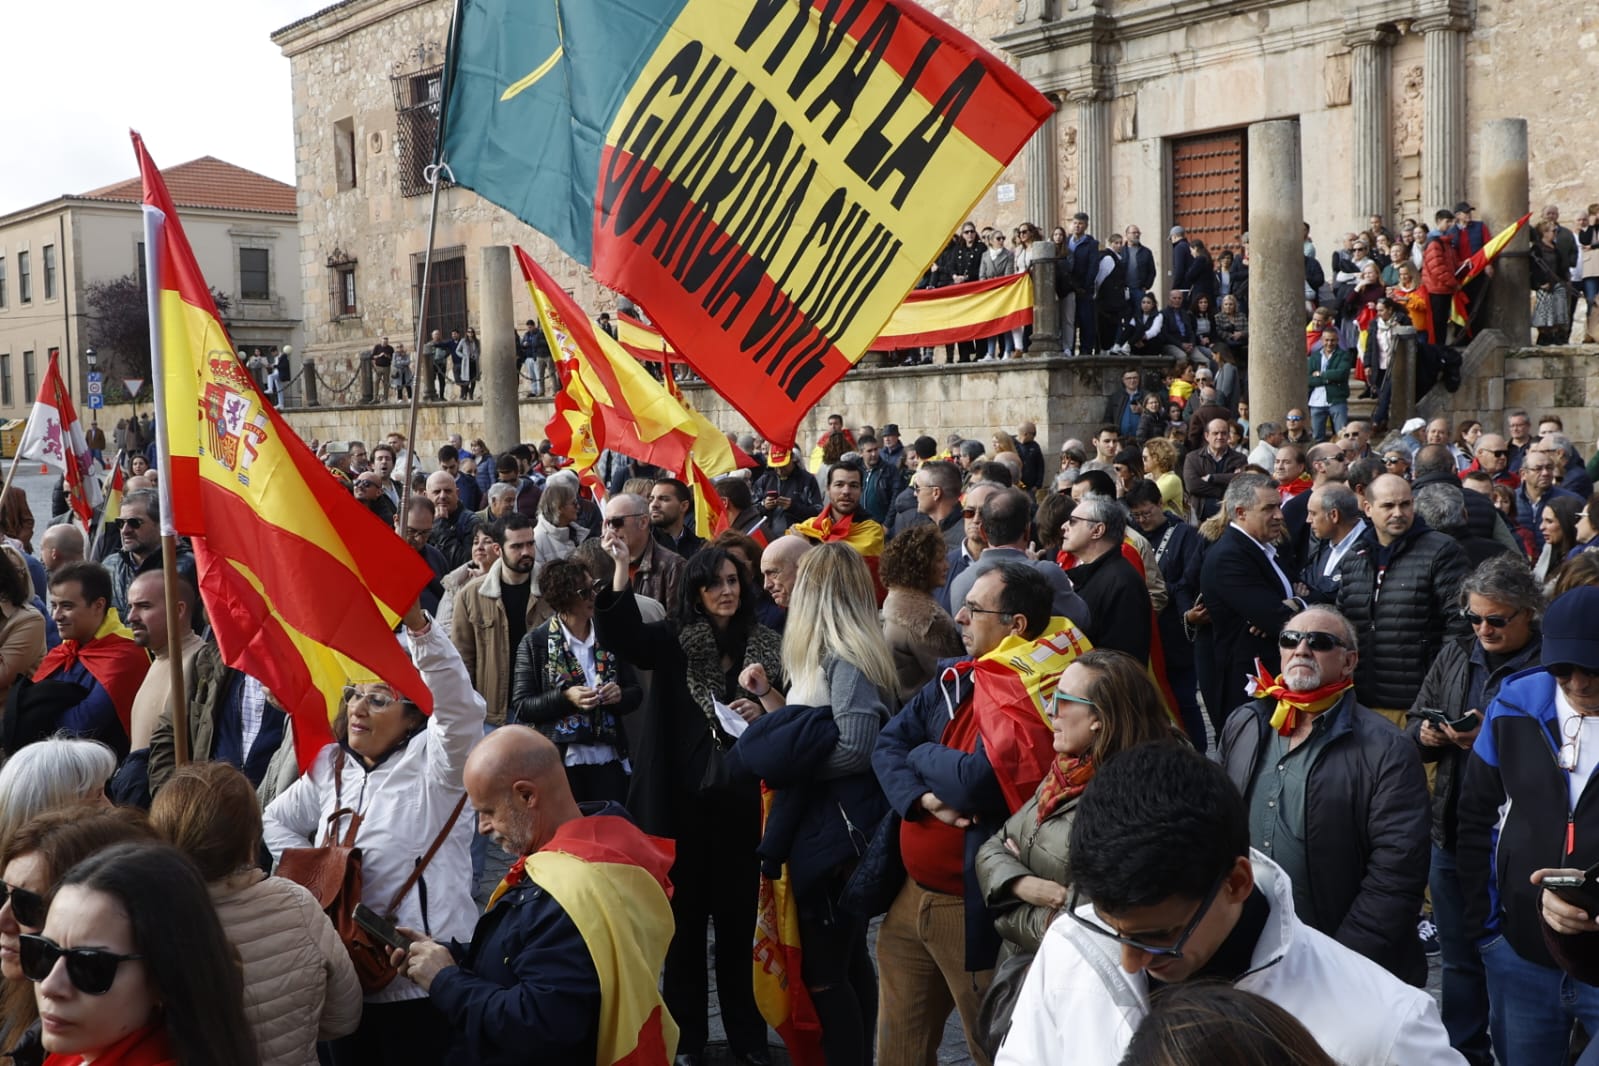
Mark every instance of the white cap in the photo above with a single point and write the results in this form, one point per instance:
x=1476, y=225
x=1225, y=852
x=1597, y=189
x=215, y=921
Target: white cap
x=1412, y=425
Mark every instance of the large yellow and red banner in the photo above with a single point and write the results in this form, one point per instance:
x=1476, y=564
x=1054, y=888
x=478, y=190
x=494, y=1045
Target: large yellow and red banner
x=303, y=585
x=768, y=177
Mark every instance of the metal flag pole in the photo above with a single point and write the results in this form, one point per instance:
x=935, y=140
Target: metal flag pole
x=154, y=221
x=434, y=174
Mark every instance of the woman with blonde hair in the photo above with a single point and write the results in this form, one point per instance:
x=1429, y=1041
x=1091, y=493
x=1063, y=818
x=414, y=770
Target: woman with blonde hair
x=299, y=983
x=1160, y=466
x=814, y=745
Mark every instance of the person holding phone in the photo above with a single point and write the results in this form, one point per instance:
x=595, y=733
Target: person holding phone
x=1502, y=601
x=1524, y=809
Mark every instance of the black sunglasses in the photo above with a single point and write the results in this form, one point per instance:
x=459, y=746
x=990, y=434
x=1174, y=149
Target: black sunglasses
x=28, y=907
x=131, y=523
x=1292, y=638
x=1497, y=621
x=1174, y=950
x=1563, y=671
x=621, y=520
x=91, y=970
x=1497, y=452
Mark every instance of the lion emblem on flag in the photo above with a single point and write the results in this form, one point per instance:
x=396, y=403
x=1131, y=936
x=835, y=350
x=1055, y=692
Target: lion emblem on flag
x=234, y=419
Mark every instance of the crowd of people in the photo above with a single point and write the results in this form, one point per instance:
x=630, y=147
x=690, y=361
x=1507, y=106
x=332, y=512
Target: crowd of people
x=1190, y=747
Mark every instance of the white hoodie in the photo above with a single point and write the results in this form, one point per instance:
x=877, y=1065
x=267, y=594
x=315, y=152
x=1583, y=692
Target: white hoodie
x=1077, y=1000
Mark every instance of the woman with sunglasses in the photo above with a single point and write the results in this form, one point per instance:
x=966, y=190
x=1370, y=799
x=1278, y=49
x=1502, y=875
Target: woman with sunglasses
x=1502, y=602
x=1104, y=704
x=133, y=969
x=400, y=770
x=574, y=689
x=41, y=852
x=681, y=788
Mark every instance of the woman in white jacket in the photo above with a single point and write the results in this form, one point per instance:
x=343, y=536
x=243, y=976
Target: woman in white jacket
x=401, y=771
x=299, y=983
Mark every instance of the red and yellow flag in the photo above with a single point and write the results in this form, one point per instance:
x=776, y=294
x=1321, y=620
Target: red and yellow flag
x=302, y=584
x=780, y=992
x=968, y=311
x=608, y=400
x=643, y=342
x=1476, y=263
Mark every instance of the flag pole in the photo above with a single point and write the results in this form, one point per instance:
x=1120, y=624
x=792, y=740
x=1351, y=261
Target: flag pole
x=98, y=541
x=154, y=220
x=433, y=173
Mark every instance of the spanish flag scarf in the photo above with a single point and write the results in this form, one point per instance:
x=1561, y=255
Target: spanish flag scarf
x=1290, y=704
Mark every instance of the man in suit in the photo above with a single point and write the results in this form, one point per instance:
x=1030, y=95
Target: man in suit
x=1140, y=266
x=1248, y=595
x=1181, y=256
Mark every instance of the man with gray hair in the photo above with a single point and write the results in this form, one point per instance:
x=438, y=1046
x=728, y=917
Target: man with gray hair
x=1336, y=524
x=139, y=524
x=1443, y=507
x=1435, y=464
x=1265, y=453
x=1570, y=471
x=1248, y=595
x=1117, y=599
x=1314, y=764
x=1003, y=520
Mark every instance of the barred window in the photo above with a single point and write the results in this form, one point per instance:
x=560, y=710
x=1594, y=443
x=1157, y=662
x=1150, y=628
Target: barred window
x=418, y=102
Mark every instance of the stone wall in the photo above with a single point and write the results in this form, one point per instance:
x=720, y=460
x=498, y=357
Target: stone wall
x=1064, y=397
x=1562, y=382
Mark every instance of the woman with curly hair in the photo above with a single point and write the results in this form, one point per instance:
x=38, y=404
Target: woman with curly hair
x=919, y=632
x=1160, y=466
x=573, y=689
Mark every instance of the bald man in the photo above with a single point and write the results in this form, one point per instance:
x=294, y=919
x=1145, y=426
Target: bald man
x=589, y=891
x=779, y=566
x=453, y=524
x=60, y=545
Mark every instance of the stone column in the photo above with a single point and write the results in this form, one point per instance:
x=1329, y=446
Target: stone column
x=1093, y=160
x=1276, y=271
x=1443, y=131
x=1046, y=308
x=1369, y=63
x=502, y=427
x=1502, y=161
x=1043, y=184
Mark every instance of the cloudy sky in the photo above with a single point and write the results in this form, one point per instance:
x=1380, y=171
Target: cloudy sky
x=195, y=77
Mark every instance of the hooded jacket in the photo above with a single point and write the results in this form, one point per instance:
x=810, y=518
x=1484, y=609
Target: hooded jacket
x=1077, y=996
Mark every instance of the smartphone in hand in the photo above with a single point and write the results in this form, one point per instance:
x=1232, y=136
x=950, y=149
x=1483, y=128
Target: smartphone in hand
x=380, y=928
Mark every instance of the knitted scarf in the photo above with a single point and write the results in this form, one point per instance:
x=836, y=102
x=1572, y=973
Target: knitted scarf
x=1290, y=704
x=1068, y=776
x=562, y=671
x=703, y=667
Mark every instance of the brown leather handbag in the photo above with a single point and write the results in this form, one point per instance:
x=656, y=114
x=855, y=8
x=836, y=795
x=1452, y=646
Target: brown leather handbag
x=332, y=874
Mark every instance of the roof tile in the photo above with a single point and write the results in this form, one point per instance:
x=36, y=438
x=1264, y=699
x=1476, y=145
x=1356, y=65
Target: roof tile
x=209, y=182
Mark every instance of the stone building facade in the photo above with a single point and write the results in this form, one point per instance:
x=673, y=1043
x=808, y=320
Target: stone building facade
x=366, y=79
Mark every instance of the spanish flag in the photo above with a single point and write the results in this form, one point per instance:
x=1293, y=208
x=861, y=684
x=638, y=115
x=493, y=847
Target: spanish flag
x=768, y=177
x=608, y=400
x=1459, y=308
x=644, y=342
x=588, y=866
x=302, y=584
x=964, y=312
x=855, y=529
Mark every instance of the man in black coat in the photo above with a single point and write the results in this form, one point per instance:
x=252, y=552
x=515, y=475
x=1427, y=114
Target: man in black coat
x=544, y=936
x=1419, y=572
x=1117, y=598
x=1082, y=252
x=1248, y=595
x=1140, y=266
x=1315, y=765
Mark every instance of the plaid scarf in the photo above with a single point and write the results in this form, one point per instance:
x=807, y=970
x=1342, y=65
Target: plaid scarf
x=1068, y=776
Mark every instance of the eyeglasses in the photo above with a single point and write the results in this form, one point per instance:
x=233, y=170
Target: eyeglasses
x=1073, y=518
x=1393, y=460
x=91, y=970
x=1496, y=452
x=971, y=608
x=968, y=512
x=28, y=907
x=1292, y=638
x=375, y=700
x=1496, y=621
x=1294, y=418
x=1564, y=671
x=618, y=521
x=1067, y=697
x=412, y=534
x=1570, y=751
x=132, y=523
x=1174, y=950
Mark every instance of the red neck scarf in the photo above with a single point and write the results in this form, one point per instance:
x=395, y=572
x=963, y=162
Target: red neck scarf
x=1068, y=776
x=142, y=1047
x=1290, y=704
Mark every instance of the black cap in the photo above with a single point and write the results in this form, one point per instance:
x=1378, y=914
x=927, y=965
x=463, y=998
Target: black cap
x=891, y=430
x=1463, y=206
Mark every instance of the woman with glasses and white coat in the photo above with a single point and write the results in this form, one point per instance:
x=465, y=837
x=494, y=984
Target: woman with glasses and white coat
x=401, y=771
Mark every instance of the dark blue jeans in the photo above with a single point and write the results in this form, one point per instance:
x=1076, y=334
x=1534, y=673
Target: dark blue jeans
x=1532, y=1008
x=1465, y=988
